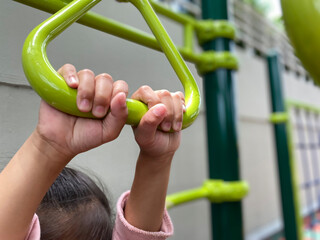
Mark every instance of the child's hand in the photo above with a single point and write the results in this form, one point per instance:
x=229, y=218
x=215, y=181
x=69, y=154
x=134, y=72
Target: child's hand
x=71, y=135
x=158, y=133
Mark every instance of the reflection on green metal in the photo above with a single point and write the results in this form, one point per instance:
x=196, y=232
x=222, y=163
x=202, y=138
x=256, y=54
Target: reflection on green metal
x=53, y=89
x=302, y=19
x=217, y=191
x=279, y=117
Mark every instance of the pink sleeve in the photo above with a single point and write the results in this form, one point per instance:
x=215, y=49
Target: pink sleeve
x=34, y=230
x=124, y=231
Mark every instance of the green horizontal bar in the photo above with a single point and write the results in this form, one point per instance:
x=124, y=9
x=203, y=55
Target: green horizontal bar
x=217, y=191
x=188, y=37
x=103, y=24
x=185, y=196
x=300, y=105
x=178, y=17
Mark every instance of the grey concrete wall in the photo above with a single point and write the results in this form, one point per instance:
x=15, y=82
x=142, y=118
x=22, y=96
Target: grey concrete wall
x=114, y=162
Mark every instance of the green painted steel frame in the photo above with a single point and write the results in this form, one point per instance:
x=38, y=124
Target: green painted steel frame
x=221, y=121
x=216, y=191
x=208, y=29
x=52, y=87
x=285, y=154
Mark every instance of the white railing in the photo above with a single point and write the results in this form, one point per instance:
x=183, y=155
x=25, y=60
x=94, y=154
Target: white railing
x=257, y=32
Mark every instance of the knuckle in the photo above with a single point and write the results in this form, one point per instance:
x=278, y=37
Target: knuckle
x=145, y=88
x=87, y=72
x=85, y=93
x=149, y=122
x=105, y=76
x=164, y=93
x=101, y=99
x=120, y=84
x=179, y=116
x=68, y=66
x=179, y=94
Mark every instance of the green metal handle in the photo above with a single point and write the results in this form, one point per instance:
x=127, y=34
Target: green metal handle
x=217, y=191
x=53, y=89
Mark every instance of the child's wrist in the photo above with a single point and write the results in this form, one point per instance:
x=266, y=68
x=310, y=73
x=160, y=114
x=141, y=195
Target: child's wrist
x=156, y=163
x=50, y=153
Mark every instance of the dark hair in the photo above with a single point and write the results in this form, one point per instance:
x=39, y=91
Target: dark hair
x=75, y=208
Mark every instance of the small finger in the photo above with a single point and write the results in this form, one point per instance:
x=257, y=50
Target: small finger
x=146, y=95
x=102, y=95
x=69, y=73
x=86, y=90
x=167, y=100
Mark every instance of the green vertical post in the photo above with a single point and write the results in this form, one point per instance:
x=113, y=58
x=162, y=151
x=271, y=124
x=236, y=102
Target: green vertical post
x=221, y=130
x=289, y=199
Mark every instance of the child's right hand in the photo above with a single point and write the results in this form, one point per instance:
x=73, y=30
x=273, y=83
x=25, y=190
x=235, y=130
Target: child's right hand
x=70, y=135
x=158, y=133
x=158, y=136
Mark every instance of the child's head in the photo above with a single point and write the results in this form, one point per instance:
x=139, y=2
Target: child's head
x=75, y=208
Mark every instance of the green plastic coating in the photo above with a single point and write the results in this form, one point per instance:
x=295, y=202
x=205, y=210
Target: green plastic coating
x=217, y=191
x=51, y=86
x=279, y=117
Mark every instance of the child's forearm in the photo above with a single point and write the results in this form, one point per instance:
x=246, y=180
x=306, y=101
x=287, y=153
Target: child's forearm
x=24, y=182
x=146, y=203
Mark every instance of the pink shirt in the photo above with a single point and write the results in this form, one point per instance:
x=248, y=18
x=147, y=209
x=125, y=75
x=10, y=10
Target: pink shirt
x=122, y=229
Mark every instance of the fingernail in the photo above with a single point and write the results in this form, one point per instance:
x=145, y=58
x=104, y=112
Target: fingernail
x=166, y=126
x=177, y=126
x=184, y=108
x=123, y=103
x=72, y=79
x=85, y=105
x=99, y=111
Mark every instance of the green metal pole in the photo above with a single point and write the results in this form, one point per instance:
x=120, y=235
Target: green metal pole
x=289, y=199
x=221, y=130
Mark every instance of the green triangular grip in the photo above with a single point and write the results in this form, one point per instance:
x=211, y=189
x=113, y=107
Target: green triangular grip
x=51, y=86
